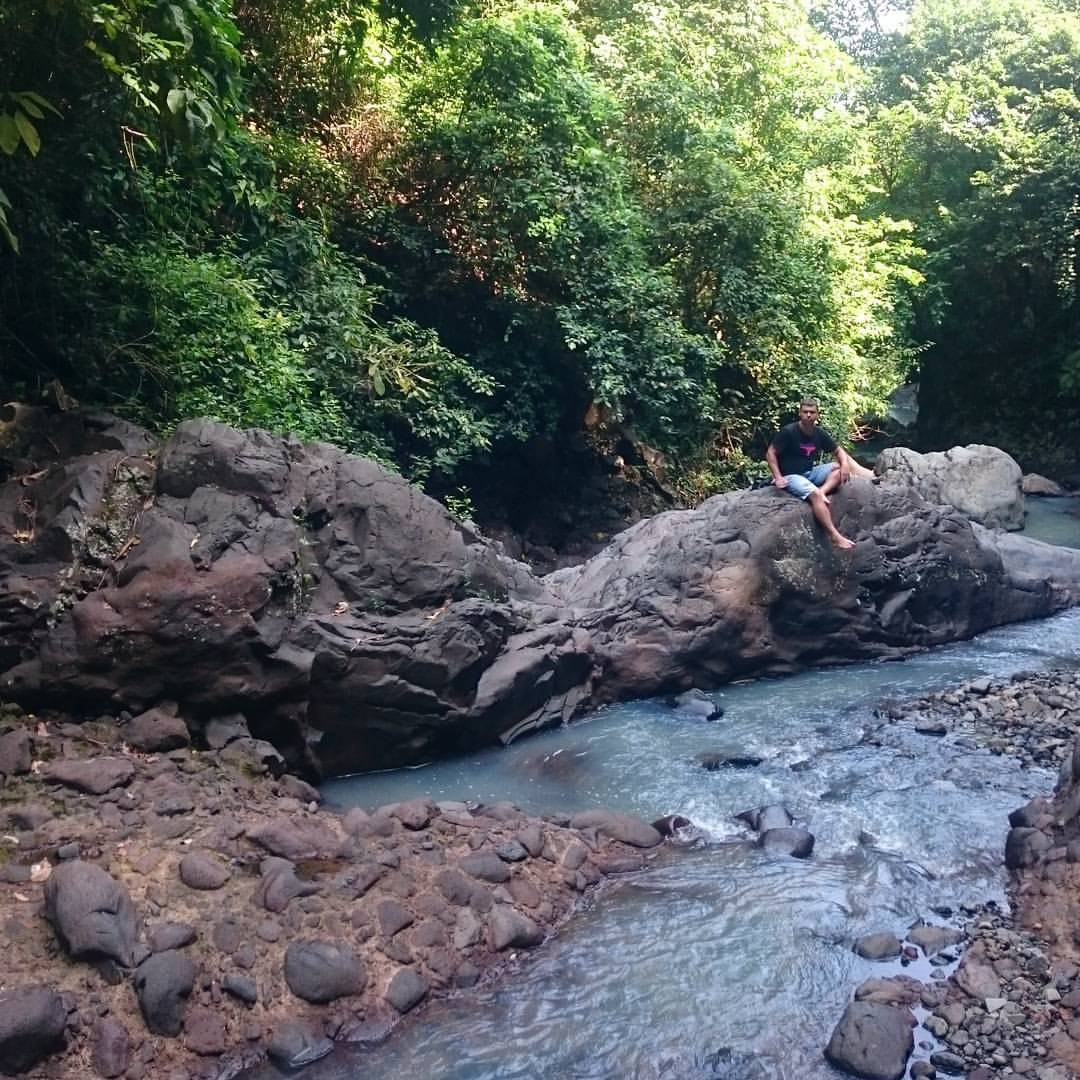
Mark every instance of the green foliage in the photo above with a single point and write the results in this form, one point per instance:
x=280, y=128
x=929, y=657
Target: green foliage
x=978, y=128
x=429, y=232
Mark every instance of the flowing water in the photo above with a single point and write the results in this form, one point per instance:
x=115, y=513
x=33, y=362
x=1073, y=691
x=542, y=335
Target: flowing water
x=721, y=960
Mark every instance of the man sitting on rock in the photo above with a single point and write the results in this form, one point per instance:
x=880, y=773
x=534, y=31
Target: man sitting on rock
x=792, y=458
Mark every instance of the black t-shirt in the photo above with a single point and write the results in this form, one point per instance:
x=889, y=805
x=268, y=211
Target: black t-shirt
x=797, y=452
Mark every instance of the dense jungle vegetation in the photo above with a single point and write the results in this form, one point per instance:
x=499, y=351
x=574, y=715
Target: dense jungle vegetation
x=434, y=233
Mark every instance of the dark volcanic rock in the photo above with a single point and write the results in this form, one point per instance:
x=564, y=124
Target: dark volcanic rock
x=295, y=1045
x=406, y=989
x=280, y=885
x=797, y=843
x=94, y=776
x=714, y=761
x=157, y=730
x=162, y=984
x=171, y=936
x=696, y=704
x=485, y=865
x=201, y=871
x=297, y=838
x=766, y=818
x=92, y=914
x=872, y=1041
x=15, y=755
x=32, y=1022
x=242, y=987
x=882, y=946
x=112, y=1048
x=508, y=928
x=302, y=582
x=321, y=971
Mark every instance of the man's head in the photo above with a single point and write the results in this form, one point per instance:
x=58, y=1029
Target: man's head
x=808, y=412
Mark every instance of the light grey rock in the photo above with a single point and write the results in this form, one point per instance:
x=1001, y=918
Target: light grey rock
x=881, y=946
x=982, y=482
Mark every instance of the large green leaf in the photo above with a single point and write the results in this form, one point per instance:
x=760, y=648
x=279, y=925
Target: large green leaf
x=28, y=132
x=9, y=134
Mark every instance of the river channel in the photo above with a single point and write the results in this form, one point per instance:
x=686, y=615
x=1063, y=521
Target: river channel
x=721, y=960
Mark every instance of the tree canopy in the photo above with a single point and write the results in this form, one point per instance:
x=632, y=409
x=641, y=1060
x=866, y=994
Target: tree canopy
x=431, y=232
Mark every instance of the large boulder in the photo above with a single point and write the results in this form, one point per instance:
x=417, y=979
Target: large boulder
x=872, y=1040
x=364, y=627
x=982, y=482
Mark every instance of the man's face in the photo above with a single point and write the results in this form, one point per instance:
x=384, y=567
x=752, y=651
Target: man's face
x=808, y=415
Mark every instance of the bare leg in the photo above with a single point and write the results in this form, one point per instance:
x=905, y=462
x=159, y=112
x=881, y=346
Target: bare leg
x=832, y=482
x=861, y=470
x=820, y=509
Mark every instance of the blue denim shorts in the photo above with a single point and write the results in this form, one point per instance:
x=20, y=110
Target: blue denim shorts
x=802, y=486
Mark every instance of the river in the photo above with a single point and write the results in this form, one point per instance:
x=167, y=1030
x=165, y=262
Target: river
x=721, y=960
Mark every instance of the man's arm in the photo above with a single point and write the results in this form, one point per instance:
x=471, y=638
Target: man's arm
x=843, y=459
x=778, y=477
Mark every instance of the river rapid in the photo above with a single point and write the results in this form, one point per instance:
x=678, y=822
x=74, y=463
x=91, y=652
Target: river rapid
x=721, y=960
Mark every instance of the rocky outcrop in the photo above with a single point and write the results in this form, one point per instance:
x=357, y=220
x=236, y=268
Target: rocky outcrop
x=1014, y=1001
x=982, y=482
x=244, y=582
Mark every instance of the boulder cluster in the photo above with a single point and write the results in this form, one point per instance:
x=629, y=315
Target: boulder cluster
x=1011, y=1007
x=1033, y=716
x=175, y=911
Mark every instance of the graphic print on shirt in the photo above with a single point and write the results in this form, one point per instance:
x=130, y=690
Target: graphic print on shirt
x=808, y=448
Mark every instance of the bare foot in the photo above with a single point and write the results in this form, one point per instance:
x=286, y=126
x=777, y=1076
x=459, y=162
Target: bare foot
x=842, y=542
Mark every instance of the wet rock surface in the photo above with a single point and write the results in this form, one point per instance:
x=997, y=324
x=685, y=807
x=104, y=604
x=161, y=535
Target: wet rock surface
x=1011, y=1008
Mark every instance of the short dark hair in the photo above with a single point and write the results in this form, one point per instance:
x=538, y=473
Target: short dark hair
x=810, y=401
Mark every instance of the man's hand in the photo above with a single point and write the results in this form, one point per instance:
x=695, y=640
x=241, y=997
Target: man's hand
x=780, y=481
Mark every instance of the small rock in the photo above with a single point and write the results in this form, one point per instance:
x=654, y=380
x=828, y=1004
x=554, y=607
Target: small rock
x=882, y=946
x=872, y=1041
x=171, y=936
x=294, y=1045
x=322, y=971
x=32, y=1022
x=162, y=985
x=15, y=752
x=94, y=776
x=625, y=828
x=93, y=915
x=157, y=730
x=508, y=928
x=203, y=872
x=242, y=987
x=111, y=1054
x=486, y=866
x=406, y=989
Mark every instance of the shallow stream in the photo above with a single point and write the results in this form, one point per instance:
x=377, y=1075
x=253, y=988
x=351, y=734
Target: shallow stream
x=721, y=960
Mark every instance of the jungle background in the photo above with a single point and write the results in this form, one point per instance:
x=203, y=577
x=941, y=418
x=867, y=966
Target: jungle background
x=560, y=263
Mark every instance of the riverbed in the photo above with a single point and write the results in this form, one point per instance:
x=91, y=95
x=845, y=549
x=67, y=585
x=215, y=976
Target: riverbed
x=721, y=960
